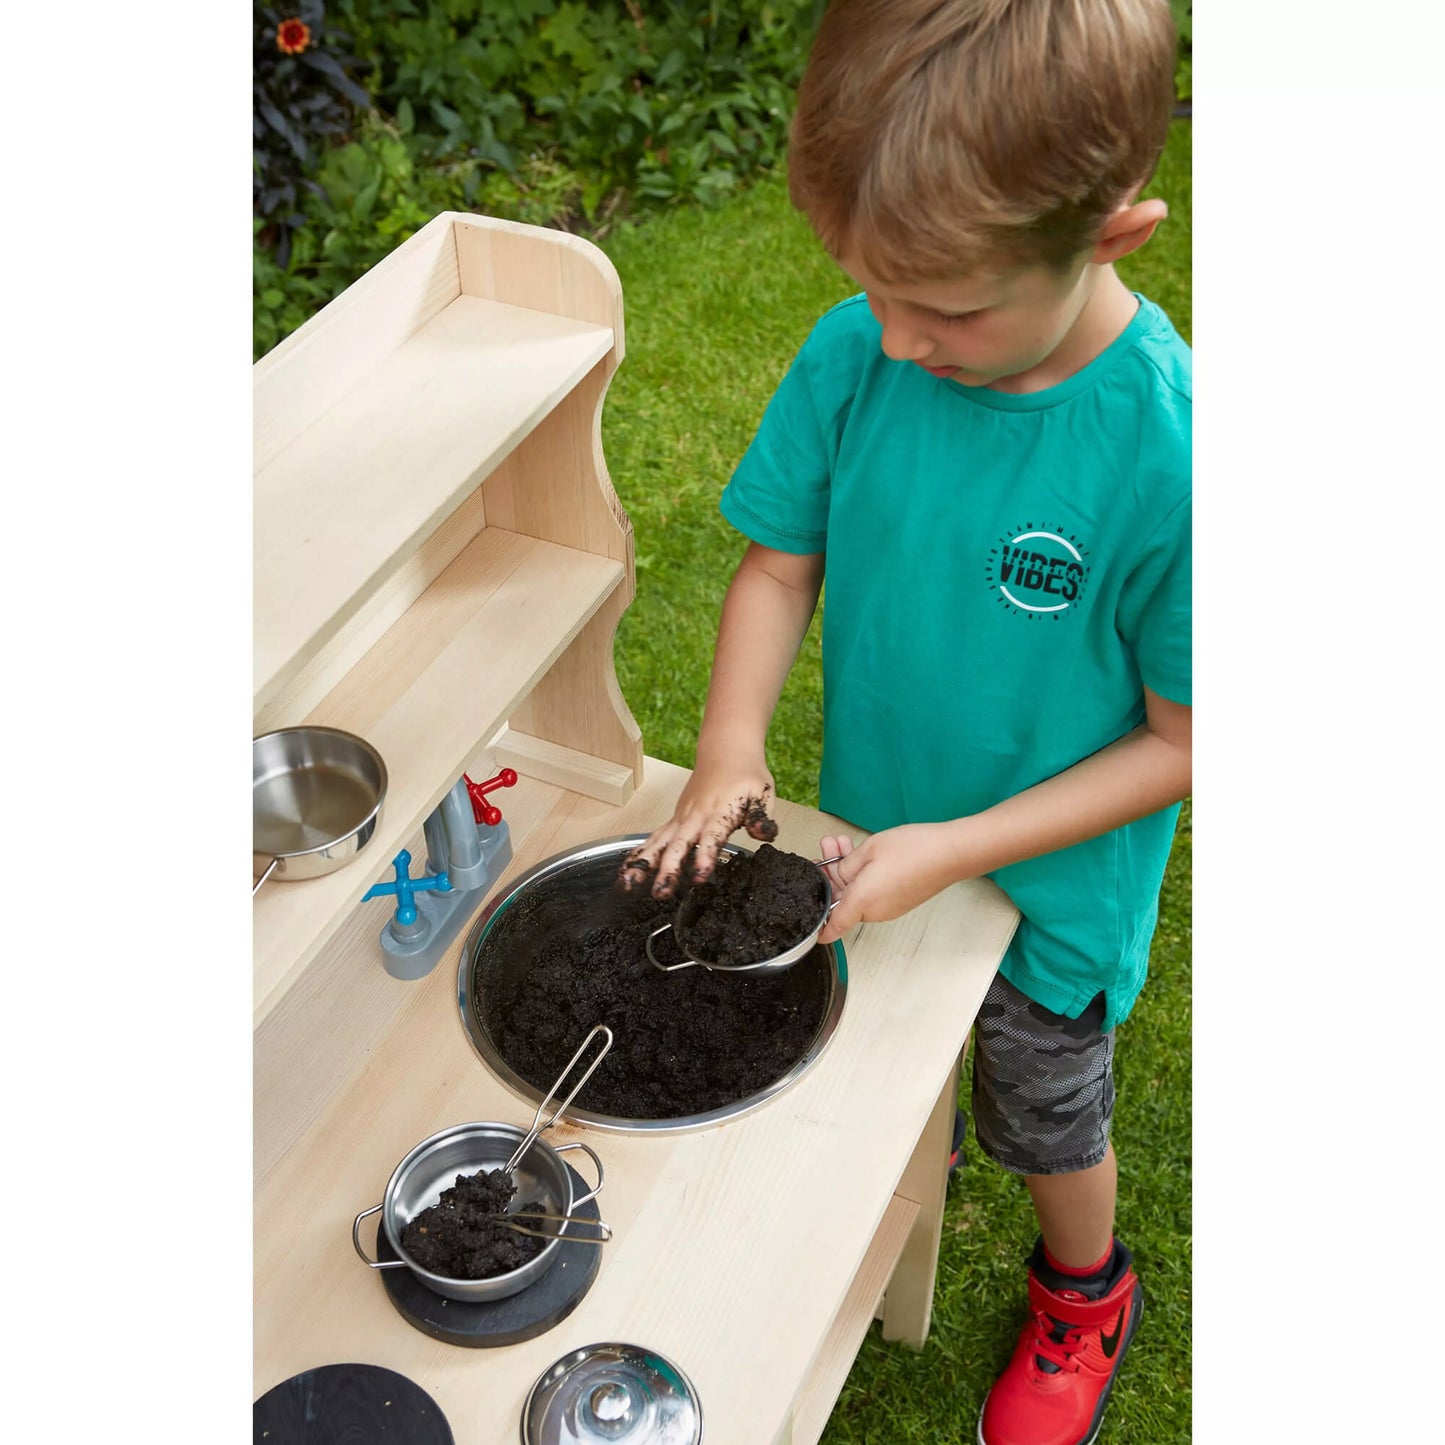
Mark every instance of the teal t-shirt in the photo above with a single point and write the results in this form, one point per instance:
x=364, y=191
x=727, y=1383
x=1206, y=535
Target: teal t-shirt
x=1004, y=575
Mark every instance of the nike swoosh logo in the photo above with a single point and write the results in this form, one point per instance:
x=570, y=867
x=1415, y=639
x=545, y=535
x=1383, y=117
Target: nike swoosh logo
x=1111, y=1342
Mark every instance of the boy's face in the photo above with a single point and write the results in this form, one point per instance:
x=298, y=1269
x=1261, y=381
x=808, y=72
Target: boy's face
x=990, y=330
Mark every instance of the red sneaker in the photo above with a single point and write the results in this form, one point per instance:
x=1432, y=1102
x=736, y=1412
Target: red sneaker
x=1054, y=1389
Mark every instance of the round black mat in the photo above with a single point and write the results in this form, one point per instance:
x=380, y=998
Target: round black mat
x=346, y=1405
x=509, y=1321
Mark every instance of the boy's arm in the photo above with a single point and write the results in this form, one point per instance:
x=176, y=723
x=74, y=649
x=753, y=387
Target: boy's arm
x=899, y=868
x=765, y=616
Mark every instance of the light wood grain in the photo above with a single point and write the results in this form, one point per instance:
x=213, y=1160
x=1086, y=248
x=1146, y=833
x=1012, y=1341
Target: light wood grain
x=829, y=1371
x=579, y=705
x=358, y=492
x=575, y=771
x=300, y=697
x=735, y=1247
x=308, y=372
x=542, y=269
x=426, y=696
x=555, y=484
x=908, y=1304
x=388, y=599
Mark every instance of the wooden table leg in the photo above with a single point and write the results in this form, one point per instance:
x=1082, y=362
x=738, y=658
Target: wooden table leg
x=908, y=1301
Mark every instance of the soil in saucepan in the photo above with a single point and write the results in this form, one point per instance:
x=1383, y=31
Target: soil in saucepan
x=457, y=1238
x=754, y=907
x=571, y=954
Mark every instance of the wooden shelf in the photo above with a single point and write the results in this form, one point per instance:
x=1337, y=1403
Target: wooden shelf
x=344, y=503
x=438, y=684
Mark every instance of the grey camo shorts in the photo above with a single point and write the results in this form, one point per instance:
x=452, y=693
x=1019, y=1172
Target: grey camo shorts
x=1043, y=1084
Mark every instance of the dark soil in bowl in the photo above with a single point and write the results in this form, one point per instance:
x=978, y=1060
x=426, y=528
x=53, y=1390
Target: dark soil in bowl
x=571, y=953
x=754, y=907
x=457, y=1239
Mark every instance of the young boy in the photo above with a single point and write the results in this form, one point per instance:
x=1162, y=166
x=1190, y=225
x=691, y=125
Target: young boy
x=987, y=458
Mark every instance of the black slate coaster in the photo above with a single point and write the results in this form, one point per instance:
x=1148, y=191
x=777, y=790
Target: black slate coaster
x=349, y=1405
x=509, y=1321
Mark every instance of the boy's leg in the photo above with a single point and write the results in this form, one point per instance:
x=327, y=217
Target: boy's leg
x=1043, y=1098
x=1076, y=1211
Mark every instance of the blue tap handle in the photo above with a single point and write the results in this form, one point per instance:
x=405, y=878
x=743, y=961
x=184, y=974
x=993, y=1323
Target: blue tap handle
x=406, y=887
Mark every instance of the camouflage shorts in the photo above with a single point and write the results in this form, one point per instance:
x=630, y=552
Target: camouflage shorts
x=1043, y=1084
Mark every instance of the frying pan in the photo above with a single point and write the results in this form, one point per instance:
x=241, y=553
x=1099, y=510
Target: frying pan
x=316, y=796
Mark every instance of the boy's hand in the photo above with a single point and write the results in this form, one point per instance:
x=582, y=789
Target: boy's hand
x=886, y=875
x=719, y=799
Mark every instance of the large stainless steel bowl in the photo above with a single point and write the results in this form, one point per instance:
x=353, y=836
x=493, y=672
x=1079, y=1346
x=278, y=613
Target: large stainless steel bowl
x=584, y=878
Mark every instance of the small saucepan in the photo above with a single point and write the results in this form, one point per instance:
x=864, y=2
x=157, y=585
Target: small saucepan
x=316, y=796
x=542, y=1179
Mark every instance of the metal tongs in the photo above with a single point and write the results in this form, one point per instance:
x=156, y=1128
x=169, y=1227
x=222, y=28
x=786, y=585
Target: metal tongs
x=538, y=1127
x=567, y=1224
x=511, y=1216
x=686, y=914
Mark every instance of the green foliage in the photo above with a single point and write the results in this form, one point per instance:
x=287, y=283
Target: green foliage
x=303, y=96
x=552, y=112
x=676, y=102
x=1184, y=67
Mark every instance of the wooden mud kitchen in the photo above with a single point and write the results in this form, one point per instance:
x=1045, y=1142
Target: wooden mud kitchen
x=440, y=566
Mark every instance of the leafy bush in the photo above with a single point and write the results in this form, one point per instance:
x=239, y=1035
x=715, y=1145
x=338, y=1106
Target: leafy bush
x=677, y=102
x=303, y=96
x=554, y=112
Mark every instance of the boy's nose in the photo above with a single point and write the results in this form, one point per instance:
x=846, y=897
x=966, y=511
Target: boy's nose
x=902, y=342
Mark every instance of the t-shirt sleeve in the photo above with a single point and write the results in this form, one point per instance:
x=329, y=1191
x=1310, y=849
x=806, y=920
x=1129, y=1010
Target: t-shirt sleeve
x=1156, y=607
x=779, y=494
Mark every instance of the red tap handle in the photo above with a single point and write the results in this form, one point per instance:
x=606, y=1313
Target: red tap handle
x=483, y=811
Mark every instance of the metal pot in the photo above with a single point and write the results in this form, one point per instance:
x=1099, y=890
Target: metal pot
x=434, y=1164
x=316, y=796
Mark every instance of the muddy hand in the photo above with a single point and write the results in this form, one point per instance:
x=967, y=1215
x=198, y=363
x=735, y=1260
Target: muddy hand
x=687, y=845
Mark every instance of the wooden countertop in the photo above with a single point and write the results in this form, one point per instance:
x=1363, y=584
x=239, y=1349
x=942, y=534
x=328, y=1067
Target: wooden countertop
x=734, y=1247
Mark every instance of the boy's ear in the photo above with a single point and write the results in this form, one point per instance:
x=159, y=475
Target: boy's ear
x=1127, y=229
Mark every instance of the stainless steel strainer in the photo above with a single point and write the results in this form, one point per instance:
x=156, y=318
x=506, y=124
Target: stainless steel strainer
x=686, y=914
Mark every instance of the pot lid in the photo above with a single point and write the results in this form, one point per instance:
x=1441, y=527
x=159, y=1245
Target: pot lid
x=612, y=1393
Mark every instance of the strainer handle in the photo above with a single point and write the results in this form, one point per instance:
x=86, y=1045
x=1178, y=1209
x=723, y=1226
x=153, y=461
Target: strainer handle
x=356, y=1242
x=656, y=963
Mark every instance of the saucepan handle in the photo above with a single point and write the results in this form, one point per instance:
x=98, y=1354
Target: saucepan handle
x=356, y=1241
x=591, y=1154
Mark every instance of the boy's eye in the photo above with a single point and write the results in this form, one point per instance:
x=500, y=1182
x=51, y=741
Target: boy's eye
x=955, y=319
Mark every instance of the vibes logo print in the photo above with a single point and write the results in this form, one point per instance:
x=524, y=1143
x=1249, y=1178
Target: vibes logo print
x=1038, y=572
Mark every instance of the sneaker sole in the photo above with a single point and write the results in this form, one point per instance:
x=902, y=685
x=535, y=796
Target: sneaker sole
x=1097, y=1423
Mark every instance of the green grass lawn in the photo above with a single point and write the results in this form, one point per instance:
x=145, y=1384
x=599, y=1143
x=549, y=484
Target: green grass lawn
x=717, y=304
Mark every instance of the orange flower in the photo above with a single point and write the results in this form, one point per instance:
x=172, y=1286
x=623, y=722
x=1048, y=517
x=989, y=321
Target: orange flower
x=292, y=36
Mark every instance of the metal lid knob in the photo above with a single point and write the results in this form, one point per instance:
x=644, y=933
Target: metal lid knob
x=610, y=1410
x=612, y=1392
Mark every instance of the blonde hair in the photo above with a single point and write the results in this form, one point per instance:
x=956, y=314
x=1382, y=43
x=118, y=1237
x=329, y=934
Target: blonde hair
x=940, y=136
